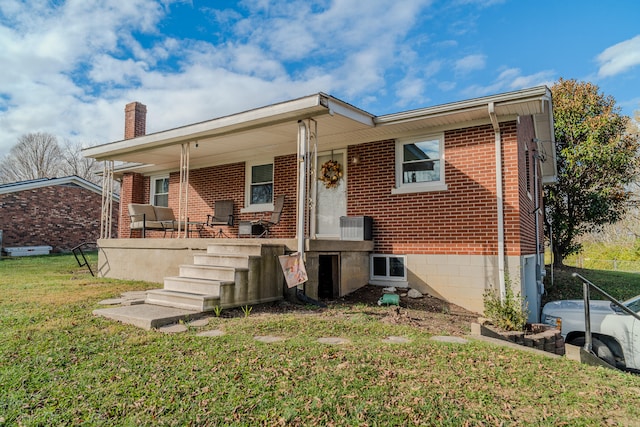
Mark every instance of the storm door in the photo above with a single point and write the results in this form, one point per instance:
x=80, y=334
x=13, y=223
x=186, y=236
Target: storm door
x=331, y=198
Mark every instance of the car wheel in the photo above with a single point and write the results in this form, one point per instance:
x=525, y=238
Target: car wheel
x=599, y=348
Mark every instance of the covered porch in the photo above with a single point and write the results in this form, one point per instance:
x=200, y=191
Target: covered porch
x=249, y=160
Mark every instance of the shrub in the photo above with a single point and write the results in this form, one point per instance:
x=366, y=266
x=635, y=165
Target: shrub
x=510, y=314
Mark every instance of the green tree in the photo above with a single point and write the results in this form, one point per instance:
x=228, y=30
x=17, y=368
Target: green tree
x=597, y=160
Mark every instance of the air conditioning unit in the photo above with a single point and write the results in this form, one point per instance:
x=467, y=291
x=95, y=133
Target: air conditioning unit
x=356, y=228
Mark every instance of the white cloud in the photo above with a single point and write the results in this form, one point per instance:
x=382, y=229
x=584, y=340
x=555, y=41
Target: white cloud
x=510, y=79
x=470, y=63
x=70, y=69
x=410, y=90
x=65, y=64
x=619, y=58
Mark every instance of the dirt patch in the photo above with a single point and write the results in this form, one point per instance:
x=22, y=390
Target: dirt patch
x=430, y=314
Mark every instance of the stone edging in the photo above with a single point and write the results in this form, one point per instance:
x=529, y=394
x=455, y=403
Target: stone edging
x=549, y=339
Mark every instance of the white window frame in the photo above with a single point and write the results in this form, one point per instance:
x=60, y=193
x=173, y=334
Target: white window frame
x=417, y=187
x=386, y=279
x=152, y=190
x=259, y=207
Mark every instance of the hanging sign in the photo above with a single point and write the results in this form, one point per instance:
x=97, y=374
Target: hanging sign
x=293, y=268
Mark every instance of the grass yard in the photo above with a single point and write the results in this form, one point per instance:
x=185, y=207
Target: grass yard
x=618, y=284
x=59, y=365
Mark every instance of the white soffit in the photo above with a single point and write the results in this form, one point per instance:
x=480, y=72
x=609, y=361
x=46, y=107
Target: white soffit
x=269, y=130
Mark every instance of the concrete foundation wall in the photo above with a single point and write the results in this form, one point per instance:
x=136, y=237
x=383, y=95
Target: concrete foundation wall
x=459, y=279
x=353, y=271
x=150, y=260
x=154, y=259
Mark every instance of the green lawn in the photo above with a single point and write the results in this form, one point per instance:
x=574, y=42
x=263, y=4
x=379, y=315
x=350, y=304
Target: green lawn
x=59, y=365
x=618, y=284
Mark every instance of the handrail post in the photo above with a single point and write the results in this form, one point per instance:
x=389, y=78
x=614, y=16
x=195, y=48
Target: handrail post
x=587, y=318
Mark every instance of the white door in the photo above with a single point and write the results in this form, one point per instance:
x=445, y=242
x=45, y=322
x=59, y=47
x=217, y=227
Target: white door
x=331, y=203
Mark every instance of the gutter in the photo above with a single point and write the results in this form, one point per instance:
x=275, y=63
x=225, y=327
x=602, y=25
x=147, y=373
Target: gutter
x=499, y=198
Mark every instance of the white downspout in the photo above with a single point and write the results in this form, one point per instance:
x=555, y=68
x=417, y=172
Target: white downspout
x=302, y=185
x=499, y=199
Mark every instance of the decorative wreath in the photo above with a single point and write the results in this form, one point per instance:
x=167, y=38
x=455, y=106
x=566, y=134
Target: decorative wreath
x=330, y=173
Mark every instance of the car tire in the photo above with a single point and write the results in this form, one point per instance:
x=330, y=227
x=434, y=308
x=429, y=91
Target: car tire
x=599, y=348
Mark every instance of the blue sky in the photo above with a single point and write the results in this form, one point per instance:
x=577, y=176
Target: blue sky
x=69, y=67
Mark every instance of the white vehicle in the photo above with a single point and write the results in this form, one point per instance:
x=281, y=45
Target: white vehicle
x=615, y=334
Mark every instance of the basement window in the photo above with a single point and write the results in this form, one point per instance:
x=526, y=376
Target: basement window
x=388, y=268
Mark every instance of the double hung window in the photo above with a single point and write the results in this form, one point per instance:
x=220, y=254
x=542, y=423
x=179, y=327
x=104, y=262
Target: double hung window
x=160, y=191
x=420, y=164
x=259, y=190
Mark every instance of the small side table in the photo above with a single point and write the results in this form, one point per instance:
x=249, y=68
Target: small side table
x=246, y=228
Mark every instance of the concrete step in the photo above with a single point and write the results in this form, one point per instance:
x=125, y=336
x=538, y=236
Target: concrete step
x=195, y=286
x=219, y=260
x=182, y=300
x=209, y=272
x=147, y=316
x=235, y=248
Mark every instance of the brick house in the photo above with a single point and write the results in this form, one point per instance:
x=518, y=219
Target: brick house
x=453, y=192
x=57, y=212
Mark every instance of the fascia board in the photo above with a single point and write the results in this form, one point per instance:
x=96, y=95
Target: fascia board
x=541, y=92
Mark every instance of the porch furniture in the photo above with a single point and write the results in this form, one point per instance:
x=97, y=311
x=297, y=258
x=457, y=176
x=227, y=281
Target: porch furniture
x=193, y=225
x=222, y=215
x=149, y=217
x=262, y=226
x=247, y=228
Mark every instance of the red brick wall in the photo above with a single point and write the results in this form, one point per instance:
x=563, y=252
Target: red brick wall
x=285, y=171
x=60, y=216
x=206, y=185
x=511, y=187
x=460, y=220
x=132, y=190
x=526, y=135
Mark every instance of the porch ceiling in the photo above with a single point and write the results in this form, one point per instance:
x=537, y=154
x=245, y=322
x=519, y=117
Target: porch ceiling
x=272, y=131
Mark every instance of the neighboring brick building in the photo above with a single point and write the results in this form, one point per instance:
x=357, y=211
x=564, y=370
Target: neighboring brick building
x=57, y=212
x=454, y=191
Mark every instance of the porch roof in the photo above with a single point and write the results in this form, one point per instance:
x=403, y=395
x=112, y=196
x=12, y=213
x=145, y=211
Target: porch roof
x=273, y=130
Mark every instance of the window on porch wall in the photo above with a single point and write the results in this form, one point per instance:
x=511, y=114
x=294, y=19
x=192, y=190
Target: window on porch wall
x=261, y=184
x=159, y=194
x=258, y=186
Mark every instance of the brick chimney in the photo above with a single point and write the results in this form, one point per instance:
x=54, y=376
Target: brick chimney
x=135, y=120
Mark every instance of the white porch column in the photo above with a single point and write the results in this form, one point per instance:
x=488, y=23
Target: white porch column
x=183, y=194
x=307, y=152
x=107, y=200
x=302, y=185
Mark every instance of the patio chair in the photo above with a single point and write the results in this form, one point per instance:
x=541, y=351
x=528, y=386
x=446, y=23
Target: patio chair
x=222, y=215
x=272, y=220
